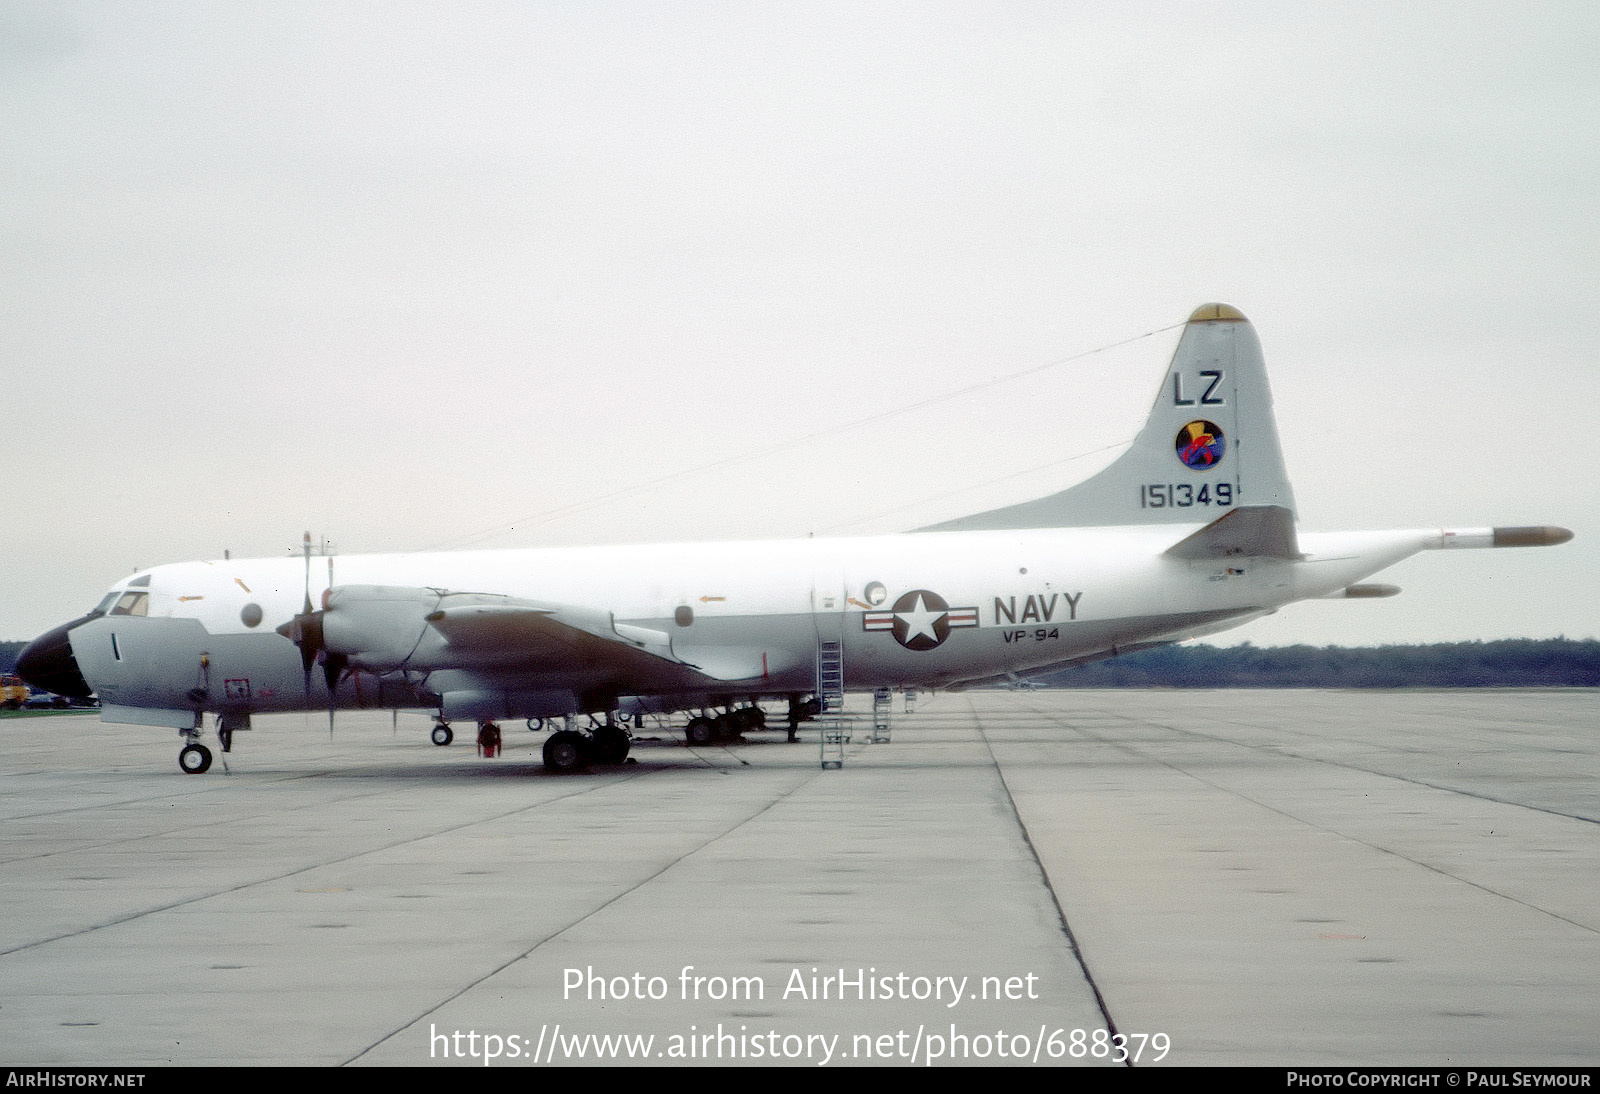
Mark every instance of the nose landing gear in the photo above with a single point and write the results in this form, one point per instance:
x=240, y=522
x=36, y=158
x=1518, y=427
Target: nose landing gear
x=194, y=758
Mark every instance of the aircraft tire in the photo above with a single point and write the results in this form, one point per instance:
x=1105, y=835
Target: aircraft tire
x=566, y=751
x=700, y=731
x=729, y=725
x=754, y=718
x=194, y=759
x=610, y=745
x=441, y=735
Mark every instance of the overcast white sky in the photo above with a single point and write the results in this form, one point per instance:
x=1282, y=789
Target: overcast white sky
x=416, y=275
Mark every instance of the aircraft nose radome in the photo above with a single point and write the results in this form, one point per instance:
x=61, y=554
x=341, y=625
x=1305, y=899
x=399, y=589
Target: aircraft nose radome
x=48, y=664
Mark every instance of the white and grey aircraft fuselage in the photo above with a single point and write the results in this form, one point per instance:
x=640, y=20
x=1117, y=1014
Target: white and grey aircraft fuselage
x=1190, y=531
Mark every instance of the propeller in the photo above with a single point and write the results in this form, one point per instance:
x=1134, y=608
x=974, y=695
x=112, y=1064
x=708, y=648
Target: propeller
x=334, y=665
x=306, y=631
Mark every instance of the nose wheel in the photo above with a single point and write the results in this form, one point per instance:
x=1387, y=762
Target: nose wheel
x=194, y=758
x=441, y=734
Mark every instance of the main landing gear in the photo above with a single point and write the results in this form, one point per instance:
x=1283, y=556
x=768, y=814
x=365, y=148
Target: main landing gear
x=570, y=750
x=703, y=729
x=611, y=743
x=567, y=749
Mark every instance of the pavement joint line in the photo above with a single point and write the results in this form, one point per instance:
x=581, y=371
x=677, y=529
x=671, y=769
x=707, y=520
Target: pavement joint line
x=1279, y=751
x=592, y=912
x=1044, y=876
x=141, y=913
x=1334, y=831
x=1384, y=774
x=234, y=820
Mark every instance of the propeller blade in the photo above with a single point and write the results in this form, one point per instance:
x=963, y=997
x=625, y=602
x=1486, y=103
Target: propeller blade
x=334, y=666
x=305, y=631
x=305, y=547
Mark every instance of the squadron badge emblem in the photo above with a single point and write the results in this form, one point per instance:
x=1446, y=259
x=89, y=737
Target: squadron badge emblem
x=1200, y=445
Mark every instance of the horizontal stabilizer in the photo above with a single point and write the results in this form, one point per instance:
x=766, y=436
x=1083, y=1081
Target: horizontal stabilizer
x=1254, y=530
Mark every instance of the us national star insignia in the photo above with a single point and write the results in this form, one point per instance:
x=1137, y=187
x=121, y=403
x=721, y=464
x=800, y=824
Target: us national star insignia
x=920, y=619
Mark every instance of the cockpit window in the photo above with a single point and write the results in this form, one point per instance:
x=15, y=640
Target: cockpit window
x=132, y=603
x=105, y=605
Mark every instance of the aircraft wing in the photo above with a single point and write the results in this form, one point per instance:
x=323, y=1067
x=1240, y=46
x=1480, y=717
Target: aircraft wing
x=549, y=635
x=382, y=629
x=535, y=634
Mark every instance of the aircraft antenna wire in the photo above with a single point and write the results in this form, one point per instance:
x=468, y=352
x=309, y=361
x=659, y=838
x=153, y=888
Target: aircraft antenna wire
x=469, y=538
x=878, y=514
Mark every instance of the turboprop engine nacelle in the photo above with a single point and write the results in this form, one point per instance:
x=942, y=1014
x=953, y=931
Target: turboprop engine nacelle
x=379, y=628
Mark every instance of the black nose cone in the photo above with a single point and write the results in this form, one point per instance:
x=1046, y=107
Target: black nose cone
x=48, y=664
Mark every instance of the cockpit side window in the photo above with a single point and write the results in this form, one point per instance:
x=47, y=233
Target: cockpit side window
x=132, y=603
x=105, y=605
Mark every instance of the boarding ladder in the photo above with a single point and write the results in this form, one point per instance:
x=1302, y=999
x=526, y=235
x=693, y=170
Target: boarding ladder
x=834, y=728
x=880, y=715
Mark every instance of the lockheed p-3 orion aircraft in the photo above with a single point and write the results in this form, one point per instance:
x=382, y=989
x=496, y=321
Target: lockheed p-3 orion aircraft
x=1190, y=531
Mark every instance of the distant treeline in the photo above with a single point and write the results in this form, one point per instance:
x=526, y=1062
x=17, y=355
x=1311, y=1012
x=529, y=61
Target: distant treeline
x=1508, y=663
x=9, y=652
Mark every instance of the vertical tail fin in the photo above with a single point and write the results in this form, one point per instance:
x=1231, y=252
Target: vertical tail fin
x=1209, y=445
